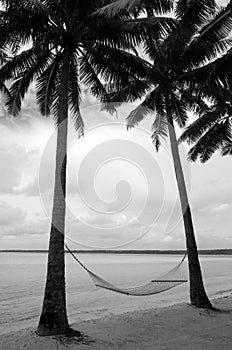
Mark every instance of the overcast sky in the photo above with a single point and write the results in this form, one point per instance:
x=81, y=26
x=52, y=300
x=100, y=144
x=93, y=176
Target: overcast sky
x=121, y=193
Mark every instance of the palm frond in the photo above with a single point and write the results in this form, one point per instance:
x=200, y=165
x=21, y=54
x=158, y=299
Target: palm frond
x=22, y=62
x=227, y=148
x=116, y=96
x=211, y=141
x=90, y=79
x=134, y=90
x=194, y=103
x=212, y=39
x=4, y=90
x=3, y=56
x=115, y=7
x=147, y=107
x=192, y=14
x=17, y=93
x=24, y=19
x=137, y=115
x=179, y=110
x=212, y=79
x=194, y=131
x=195, y=11
x=21, y=84
x=123, y=64
x=74, y=98
x=128, y=33
x=46, y=84
x=159, y=129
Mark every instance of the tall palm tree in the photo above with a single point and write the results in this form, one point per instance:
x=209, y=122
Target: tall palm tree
x=174, y=59
x=70, y=45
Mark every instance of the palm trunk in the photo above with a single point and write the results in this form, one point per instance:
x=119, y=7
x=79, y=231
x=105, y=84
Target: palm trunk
x=53, y=319
x=198, y=296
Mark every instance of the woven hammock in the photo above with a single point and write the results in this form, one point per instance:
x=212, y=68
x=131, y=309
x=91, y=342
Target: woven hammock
x=166, y=282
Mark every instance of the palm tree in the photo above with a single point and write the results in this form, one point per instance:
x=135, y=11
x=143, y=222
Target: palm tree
x=70, y=45
x=174, y=60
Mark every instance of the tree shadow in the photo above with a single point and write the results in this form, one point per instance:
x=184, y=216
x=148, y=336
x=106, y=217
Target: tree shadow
x=212, y=311
x=73, y=337
x=223, y=311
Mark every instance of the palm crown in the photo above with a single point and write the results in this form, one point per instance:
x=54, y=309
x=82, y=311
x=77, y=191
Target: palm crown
x=92, y=41
x=176, y=60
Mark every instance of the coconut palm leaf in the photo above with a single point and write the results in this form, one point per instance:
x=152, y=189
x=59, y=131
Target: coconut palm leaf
x=126, y=61
x=22, y=62
x=211, y=79
x=115, y=7
x=193, y=102
x=74, y=96
x=179, y=110
x=4, y=89
x=135, y=89
x=227, y=148
x=194, y=131
x=216, y=32
x=159, y=129
x=194, y=12
x=184, y=7
x=91, y=79
x=148, y=106
x=211, y=141
x=136, y=29
x=17, y=93
x=137, y=115
x=192, y=15
x=24, y=20
x=46, y=83
x=3, y=56
x=23, y=81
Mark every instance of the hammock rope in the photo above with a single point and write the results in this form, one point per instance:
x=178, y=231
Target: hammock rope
x=160, y=285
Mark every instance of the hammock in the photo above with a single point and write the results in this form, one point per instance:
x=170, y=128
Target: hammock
x=166, y=282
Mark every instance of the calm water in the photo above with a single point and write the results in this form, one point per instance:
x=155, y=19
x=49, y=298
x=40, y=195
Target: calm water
x=22, y=277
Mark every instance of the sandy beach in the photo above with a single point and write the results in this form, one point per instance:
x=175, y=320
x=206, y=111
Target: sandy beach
x=176, y=327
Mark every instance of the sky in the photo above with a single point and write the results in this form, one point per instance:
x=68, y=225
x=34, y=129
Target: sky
x=120, y=193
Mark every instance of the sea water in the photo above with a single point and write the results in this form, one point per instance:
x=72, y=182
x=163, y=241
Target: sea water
x=22, y=279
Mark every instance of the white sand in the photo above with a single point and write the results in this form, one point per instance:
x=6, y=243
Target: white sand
x=175, y=327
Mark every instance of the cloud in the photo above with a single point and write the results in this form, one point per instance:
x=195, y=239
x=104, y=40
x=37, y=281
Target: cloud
x=222, y=2
x=11, y=216
x=17, y=168
x=15, y=222
x=22, y=139
x=10, y=172
x=222, y=207
x=26, y=159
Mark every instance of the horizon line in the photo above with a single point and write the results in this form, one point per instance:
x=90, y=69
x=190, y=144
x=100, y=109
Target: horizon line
x=212, y=251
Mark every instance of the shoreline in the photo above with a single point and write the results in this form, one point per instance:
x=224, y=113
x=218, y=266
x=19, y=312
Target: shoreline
x=179, y=326
x=223, y=252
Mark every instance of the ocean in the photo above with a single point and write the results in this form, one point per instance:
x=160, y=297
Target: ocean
x=22, y=279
